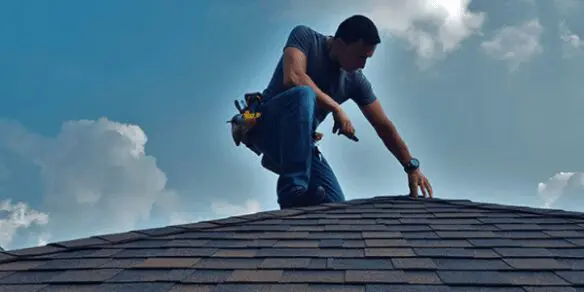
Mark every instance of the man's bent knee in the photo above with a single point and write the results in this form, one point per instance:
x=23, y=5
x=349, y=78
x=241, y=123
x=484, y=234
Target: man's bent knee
x=303, y=90
x=304, y=95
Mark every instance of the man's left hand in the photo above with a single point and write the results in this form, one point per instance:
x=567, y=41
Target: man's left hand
x=416, y=179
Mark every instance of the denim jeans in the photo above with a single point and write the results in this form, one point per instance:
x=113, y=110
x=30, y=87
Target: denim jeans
x=284, y=134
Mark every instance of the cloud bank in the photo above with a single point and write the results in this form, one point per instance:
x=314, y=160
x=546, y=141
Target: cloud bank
x=433, y=29
x=95, y=175
x=96, y=178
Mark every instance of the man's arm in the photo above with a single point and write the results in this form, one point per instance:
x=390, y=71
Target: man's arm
x=372, y=110
x=295, y=75
x=387, y=131
x=295, y=62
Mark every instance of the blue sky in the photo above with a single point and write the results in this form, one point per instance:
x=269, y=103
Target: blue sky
x=112, y=113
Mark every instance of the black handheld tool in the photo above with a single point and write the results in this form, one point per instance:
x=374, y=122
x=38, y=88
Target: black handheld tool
x=354, y=138
x=336, y=127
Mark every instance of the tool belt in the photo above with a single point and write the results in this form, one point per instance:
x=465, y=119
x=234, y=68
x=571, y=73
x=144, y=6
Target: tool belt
x=246, y=119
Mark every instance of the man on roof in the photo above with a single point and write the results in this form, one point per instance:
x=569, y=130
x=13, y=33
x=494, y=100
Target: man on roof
x=316, y=74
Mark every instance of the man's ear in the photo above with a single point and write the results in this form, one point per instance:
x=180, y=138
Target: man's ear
x=344, y=45
x=339, y=43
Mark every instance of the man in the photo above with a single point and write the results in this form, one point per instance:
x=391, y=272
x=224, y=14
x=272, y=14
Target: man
x=315, y=75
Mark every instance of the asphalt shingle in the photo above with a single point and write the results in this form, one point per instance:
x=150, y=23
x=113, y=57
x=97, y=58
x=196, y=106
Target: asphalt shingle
x=365, y=245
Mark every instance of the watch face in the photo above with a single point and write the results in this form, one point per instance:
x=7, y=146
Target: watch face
x=415, y=163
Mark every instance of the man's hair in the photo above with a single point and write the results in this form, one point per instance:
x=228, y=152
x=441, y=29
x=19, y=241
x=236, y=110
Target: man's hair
x=356, y=28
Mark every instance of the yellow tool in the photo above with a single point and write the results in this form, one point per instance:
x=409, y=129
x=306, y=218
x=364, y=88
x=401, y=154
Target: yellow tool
x=247, y=117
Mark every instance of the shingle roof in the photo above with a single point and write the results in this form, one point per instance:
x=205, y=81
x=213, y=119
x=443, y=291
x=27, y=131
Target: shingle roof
x=379, y=244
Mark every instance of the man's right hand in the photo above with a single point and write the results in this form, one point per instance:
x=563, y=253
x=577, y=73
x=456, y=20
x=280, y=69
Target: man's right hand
x=417, y=179
x=342, y=124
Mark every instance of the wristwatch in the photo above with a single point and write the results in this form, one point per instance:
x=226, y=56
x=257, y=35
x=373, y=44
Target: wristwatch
x=412, y=165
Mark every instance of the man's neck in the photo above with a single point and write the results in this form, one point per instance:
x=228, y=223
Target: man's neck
x=332, y=52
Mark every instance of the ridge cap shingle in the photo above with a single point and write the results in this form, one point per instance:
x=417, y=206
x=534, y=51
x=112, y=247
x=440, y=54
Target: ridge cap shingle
x=105, y=240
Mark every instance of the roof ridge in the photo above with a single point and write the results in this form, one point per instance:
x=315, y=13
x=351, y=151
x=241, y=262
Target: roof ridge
x=101, y=241
x=524, y=209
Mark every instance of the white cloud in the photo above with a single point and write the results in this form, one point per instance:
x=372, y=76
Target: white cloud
x=219, y=209
x=431, y=28
x=178, y=218
x=515, y=44
x=573, y=44
x=96, y=176
x=223, y=208
x=43, y=239
x=17, y=216
x=562, y=184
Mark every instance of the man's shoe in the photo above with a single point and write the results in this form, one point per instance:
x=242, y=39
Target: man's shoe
x=299, y=197
x=291, y=198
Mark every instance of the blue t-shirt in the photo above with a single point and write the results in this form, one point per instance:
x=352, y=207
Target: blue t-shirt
x=337, y=83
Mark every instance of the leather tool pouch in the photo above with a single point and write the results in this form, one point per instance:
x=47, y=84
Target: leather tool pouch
x=245, y=120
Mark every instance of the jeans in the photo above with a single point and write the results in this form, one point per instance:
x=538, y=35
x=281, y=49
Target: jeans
x=284, y=134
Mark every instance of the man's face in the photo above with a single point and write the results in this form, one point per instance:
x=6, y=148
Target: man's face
x=355, y=55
